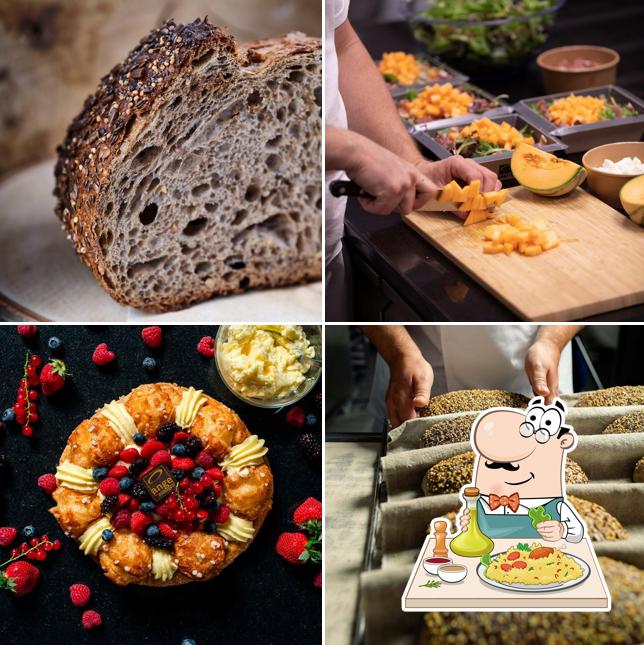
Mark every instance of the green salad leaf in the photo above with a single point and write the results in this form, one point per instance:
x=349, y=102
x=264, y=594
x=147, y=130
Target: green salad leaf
x=486, y=560
x=410, y=95
x=390, y=78
x=537, y=515
x=523, y=546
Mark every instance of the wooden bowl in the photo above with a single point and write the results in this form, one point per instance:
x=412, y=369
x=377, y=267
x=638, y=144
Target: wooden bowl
x=606, y=185
x=559, y=79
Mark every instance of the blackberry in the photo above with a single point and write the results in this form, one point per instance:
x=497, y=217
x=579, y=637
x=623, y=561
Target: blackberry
x=193, y=446
x=159, y=542
x=137, y=467
x=178, y=474
x=109, y=503
x=318, y=400
x=166, y=432
x=311, y=446
x=140, y=491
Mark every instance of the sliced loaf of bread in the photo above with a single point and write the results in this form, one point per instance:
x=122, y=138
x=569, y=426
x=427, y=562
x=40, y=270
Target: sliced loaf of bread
x=195, y=168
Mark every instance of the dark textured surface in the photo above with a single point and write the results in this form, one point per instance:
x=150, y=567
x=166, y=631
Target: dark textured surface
x=259, y=598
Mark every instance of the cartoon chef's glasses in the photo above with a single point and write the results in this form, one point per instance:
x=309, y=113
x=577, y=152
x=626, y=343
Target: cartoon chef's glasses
x=543, y=422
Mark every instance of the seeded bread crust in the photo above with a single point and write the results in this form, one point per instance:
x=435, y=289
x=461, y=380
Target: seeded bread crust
x=126, y=100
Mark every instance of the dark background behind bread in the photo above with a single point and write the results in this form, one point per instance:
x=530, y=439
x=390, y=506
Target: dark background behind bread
x=53, y=53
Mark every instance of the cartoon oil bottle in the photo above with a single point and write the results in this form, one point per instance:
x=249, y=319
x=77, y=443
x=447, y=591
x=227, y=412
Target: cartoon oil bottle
x=472, y=543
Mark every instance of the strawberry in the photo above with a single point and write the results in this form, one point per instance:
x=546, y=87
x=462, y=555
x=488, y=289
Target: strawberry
x=179, y=437
x=19, y=577
x=317, y=581
x=216, y=473
x=167, y=531
x=80, y=594
x=309, y=510
x=109, y=486
x=103, y=355
x=48, y=483
x=91, y=619
x=129, y=455
x=140, y=521
x=206, y=346
x=7, y=535
x=160, y=457
x=52, y=376
x=152, y=336
x=27, y=330
x=221, y=515
x=297, y=548
x=150, y=447
x=183, y=463
x=118, y=471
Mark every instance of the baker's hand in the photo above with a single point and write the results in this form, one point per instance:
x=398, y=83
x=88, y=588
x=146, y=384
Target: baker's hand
x=397, y=185
x=465, y=519
x=410, y=383
x=542, y=368
x=551, y=531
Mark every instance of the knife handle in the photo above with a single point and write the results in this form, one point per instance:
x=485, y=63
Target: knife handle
x=340, y=188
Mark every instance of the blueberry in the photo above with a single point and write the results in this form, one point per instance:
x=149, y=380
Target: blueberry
x=147, y=507
x=209, y=526
x=311, y=419
x=197, y=473
x=8, y=416
x=126, y=483
x=179, y=450
x=29, y=531
x=188, y=641
x=99, y=473
x=107, y=535
x=140, y=438
x=149, y=364
x=152, y=530
x=55, y=343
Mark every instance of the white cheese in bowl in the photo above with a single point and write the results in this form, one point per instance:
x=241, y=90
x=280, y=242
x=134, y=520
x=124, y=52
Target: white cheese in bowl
x=625, y=166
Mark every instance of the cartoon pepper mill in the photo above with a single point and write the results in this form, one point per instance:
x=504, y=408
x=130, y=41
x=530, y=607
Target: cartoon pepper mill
x=520, y=472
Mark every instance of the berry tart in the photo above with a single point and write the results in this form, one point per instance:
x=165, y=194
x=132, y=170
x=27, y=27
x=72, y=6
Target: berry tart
x=163, y=486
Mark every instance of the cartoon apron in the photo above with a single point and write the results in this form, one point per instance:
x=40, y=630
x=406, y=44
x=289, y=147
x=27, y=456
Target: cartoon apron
x=512, y=525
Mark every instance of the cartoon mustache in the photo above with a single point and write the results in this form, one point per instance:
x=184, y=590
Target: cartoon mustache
x=495, y=465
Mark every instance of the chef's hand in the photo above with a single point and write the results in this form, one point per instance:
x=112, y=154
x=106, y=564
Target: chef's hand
x=465, y=519
x=397, y=185
x=410, y=383
x=551, y=531
x=542, y=368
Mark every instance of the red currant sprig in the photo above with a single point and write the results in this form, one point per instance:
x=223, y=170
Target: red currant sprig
x=26, y=408
x=35, y=549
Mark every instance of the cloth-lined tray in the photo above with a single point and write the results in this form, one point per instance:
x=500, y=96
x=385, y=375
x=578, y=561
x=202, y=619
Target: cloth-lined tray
x=608, y=460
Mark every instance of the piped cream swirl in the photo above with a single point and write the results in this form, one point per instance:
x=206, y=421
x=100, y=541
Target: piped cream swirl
x=236, y=529
x=120, y=420
x=191, y=401
x=76, y=477
x=249, y=452
x=91, y=540
x=163, y=566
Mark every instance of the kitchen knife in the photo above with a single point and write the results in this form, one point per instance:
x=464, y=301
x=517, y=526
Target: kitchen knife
x=343, y=188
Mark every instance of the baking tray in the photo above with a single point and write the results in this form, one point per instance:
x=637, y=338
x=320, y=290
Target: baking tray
x=580, y=138
x=499, y=162
x=503, y=106
x=457, y=78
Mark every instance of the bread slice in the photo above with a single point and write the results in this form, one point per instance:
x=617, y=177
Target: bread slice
x=195, y=168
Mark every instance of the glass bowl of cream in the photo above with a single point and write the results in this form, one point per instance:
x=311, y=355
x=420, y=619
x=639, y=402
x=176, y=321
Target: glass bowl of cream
x=269, y=366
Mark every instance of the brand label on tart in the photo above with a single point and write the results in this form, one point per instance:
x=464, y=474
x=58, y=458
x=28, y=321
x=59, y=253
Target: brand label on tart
x=159, y=482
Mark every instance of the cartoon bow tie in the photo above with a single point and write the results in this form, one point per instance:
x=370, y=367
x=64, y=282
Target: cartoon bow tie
x=504, y=500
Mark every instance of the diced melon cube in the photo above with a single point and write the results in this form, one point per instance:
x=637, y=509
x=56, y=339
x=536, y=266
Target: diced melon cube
x=532, y=250
x=491, y=247
x=493, y=232
x=508, y=247
x=474, y=217
x=445, y=194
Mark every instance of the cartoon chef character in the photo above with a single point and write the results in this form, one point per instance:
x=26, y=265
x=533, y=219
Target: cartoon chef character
x=520, y=466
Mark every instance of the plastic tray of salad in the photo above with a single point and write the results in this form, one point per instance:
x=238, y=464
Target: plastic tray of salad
x=489, y=140
x=584, y=119
x=436, y=103
x=403, y=70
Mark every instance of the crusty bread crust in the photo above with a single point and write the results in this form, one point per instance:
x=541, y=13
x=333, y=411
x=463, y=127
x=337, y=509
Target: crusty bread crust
x=75, y=511
x=123, y=103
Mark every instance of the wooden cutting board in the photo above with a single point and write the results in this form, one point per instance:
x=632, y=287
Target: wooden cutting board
x=598, y=267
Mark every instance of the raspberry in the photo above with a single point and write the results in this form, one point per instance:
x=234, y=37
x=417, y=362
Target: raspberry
x=296, y=417
x=129, y=455
x=121, y=519
x=183, y=463
x=139, y=522
x=7, y=535
x=103, y=355
x=180, y=437
x=221, y=515
x=109, y=486
x=216, y=473
x=205, y=460
x=123, y=499
x=167, y=531
x=91, y=619
x=206, y=346
x=80, y=594
x=160, y=457
x=27, y=330
x=48, y=483
x=150, y=447
x=152, y=336
x=317, y=581
x=118, y=471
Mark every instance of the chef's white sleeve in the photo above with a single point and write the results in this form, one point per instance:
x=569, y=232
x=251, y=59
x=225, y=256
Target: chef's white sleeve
x=573, y=527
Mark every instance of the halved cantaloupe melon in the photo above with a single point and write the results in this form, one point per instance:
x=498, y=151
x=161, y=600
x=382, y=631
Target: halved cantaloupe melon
x=543, y=173
x=632, y=197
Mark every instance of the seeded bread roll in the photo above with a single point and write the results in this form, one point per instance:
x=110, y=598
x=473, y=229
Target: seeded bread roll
x=619, y=395
x=194, y=170
x=470, y=400
x=628, y=423
x=638, y=471
x=448, y=431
